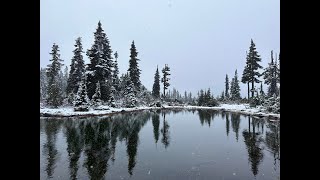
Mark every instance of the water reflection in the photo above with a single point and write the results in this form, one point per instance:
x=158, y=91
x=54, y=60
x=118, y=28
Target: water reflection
x=96, y=139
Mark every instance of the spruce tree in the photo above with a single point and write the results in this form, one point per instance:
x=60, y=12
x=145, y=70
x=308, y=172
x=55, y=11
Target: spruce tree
x=246, y=74
x=54, y=92
x=227, y=87
x=254, y=65
x=82, y=102
x=115, y=73
x=261, y=90
x=165, y=79
x=96, y=98
x=134, y=70
x=156, y=85
x=130, y=99
x=100, y=67
x=77, y=68
x=270, y=77
x=43, y=84
x=236, y=87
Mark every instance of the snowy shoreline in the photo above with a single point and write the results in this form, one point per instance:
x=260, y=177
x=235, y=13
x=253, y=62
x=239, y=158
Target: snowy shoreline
x=69, y=112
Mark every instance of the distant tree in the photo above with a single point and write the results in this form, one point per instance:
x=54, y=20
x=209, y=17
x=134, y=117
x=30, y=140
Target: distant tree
x=235, y=88
x=254, y=65
x=129, y=95
x=77, y=68
x=227, y=87
x=201, y=98
x=261, y=90
x=222, y=96
x=165, y=79
x=82, y=102
x=115, y=72
x=54, y=92
x=43, y=84
x=156, y=85
x=270, y=77
x=246, y=74
x=134, y=70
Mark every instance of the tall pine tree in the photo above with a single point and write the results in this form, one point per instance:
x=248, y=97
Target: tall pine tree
x=246, y=74
x=156, y=85
x=254, y=65
x=77, y=68
x=115, y=73
x=82, y=101
x=134, y=70
x=235, y=90
x=227, y=87
x=54, y=92
x=270, y=77
x=165, y=79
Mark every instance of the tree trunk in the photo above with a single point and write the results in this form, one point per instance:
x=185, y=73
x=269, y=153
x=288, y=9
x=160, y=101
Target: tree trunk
x=252, y=86
x=248, y=90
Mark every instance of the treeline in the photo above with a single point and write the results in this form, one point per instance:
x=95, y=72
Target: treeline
x=97, y=83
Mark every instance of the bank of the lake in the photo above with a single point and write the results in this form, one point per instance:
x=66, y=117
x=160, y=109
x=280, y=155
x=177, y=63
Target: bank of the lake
x=104, y=111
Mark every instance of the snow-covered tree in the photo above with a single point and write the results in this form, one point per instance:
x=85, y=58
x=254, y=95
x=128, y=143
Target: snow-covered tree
x=82, y=102
x=129, y=95
x=254, y=65
x=115, y=72
x=96, y=98
x=100, y=67
x=235, y=88
x=134, y=70
x=156, y=85
x=246, y=74
x=227, y=87
x=77, y=68
x=54, y=92
x=43, y=84
x=165, y=79
x=270, y=77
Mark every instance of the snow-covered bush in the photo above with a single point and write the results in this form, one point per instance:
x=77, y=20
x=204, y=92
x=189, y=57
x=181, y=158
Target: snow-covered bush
x=82, y=102
x=272, y=104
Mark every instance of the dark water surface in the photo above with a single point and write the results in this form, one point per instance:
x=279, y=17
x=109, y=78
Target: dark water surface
x=200, y=144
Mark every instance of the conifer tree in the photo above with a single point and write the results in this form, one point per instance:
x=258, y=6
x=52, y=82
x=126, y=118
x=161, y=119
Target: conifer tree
x=235, y=88
x=165, y=79
x=246, y=74
x=270, y=77
x=156, y=85
x=82, y=102
x=227, y=87
x=115, y=73
x=77, y=68
x=96, y=98
x=54, y=92
x=254, y=65
x=134, y=70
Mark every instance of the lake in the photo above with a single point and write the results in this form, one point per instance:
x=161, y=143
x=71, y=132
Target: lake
x=163, y=144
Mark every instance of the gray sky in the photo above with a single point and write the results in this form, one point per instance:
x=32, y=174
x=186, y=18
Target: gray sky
x=200, y=40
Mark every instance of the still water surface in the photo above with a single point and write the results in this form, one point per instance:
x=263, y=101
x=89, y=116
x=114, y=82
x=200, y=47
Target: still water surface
x=180, y=144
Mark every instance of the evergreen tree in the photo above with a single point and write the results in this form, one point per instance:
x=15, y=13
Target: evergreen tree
x=54, y=92
x=270, y=76
x=115, y=73
x=235, y=88
x=261, y=90
x=134, y=70
x=227, y=87
x=201, y=98
x=156, y=85
x=254, y=60
x=77, y=68
x=165, y=79
x=222, y=96
x=100, y=67
x=246, y=74
x=129, y=95
x=96, y=98
x=82, y=102
x=43, y=84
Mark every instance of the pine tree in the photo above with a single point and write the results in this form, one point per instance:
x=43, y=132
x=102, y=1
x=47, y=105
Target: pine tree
x=54, y=92
x=115, y=73
x=82, y=102
x=156, y=85
x=227, y=87
x=165, y=79
x=222, y=96
x=235, y=88
x=77, y=68
x=100, y=67
x=254, y=60
x=246, y=74
x=96, y=98
x=261, y=90
x=134, y=70
x=201, y=98
x=270, y=77
x=43, y=84
x=130, y=99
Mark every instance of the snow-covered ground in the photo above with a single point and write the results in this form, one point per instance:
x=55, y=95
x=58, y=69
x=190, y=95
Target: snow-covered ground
x=239, y=108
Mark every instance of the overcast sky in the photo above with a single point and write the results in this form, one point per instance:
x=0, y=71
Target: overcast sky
x=200, y=40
